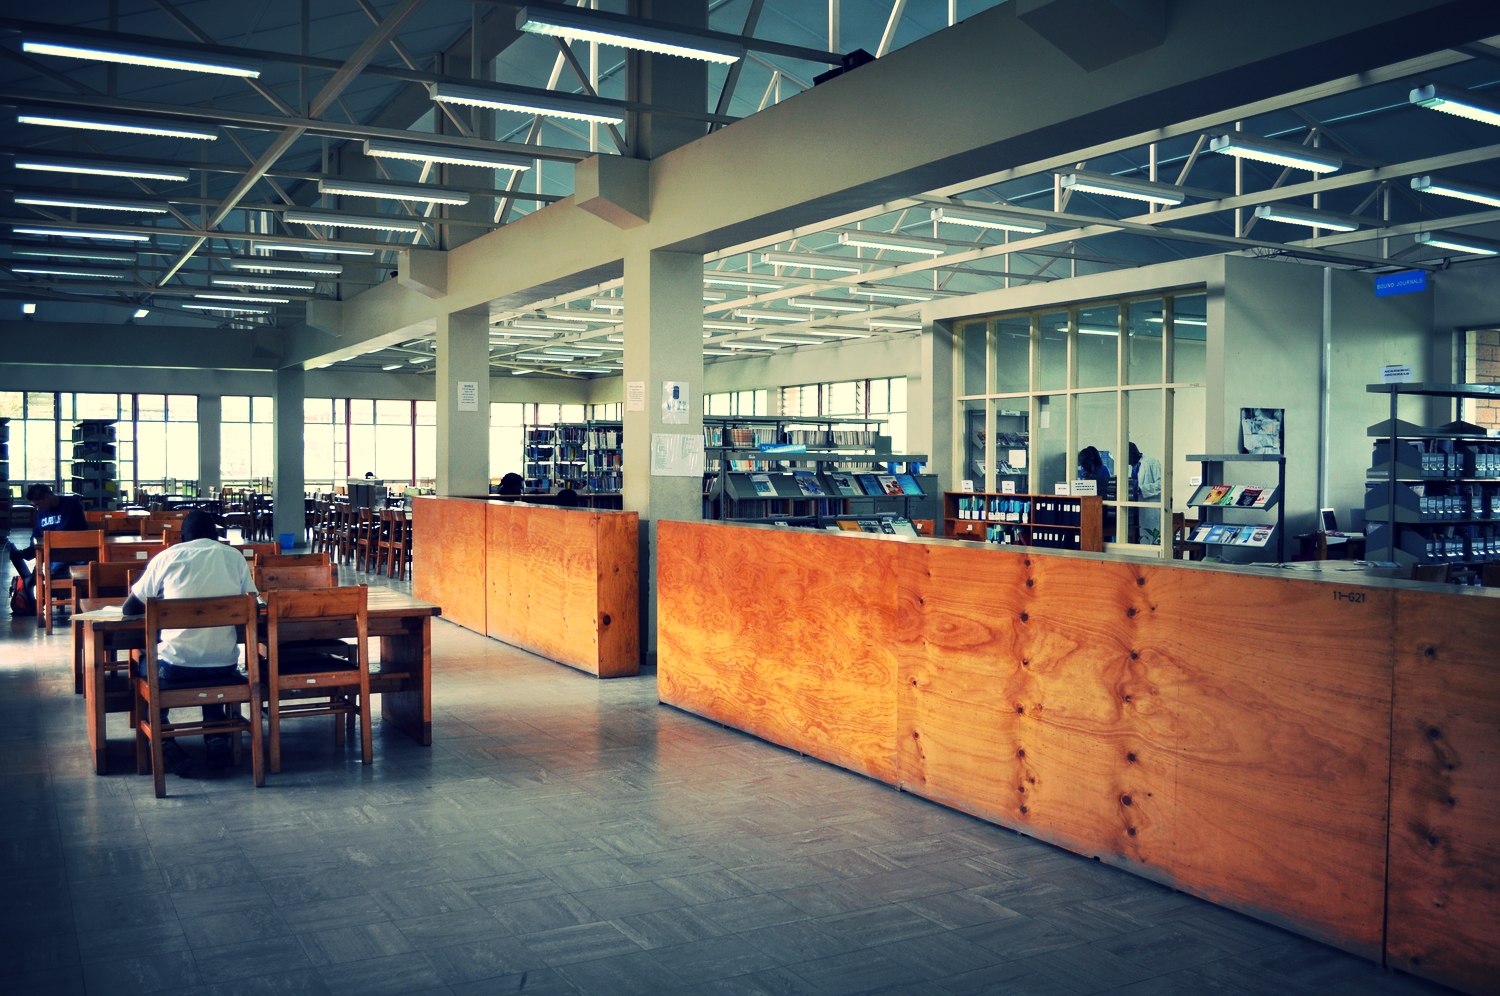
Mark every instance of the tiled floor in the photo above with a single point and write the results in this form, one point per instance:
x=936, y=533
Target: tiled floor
x=562, y=835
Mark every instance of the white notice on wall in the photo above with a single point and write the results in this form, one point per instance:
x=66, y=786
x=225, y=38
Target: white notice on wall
x=635, y=396
x=1083, y=488
x=674, y=402
x=468, y=395
x=1395, y=374
x=1046, y=419
x=676, y=454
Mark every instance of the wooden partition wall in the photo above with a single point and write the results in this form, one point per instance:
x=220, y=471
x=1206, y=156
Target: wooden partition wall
x=1238, y=736
x=561, y=583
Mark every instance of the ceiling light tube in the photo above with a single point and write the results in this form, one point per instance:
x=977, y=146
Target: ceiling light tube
x=983, y=219
x=47, y=271
x=227, y=308
x=1472, y=247
x=750, y=345
x=141, y=313
x=1092, y=330
x=1266, y=150
x=82, y=234
x=891, y=295
x=895, y=324
x=718, y=352
x=727, y=326
x=133, y=54
x=421, y=359
x=769, y=316
x=612, y=304
x=384, y=148
x=811, y=262
x=249, y=298
x=334, y=219
x=275, y=266
x=393, y=191
x=264, y=283
x=60, y=253
x=89, y=203
x=637, y=35
x=326, y=249
x=1115, y=186
x=587, y=370
x=29, y=308
x=1179, y=320
x=791, y=342
x=1455, y=188
x=60, y=164
x=1462, y=103
x=841, y=334
x=891, y=242
x=548, y=105
x=567, y=316
x=391, y=366
x=543, y=324
x=818, y=304
x=748, y=284
x=1290, y=215
x=119, y=123
x=522, y=335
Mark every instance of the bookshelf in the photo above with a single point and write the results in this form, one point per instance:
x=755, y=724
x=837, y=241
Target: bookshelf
x=93, y=464
x=1213, y=498
x=536, y=457
x=1055, y=522
x=1433, y=494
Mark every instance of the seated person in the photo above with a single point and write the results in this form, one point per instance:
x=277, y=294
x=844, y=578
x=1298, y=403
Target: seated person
x=567, y=498
x=53, y=512
x=511, y=484
x=198, y=567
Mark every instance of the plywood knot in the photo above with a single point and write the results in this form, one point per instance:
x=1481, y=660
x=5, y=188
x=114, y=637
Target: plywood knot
x=1024, y=617
x=1140, y=581
x=1135, y=655
x=1130, y=611
x=1125, y=800
x=1430, y=651
x=1021, y=752
x=1131, y=831
x=1021, y=788
x=1130, y=757
x=607, y=619
x=1433, y=733
x=1025, y=810
x=1020, y=710
x=1030, y=582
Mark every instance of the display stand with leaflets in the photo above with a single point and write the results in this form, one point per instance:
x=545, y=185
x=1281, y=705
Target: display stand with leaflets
x=1214, y=497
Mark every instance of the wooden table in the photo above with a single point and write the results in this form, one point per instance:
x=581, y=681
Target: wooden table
x=402, y=677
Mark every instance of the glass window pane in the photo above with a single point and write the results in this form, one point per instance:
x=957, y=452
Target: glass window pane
x=1098, y=346
x=1052, y=461
x=41, y=448
x=744, y=404
x=151, y=451
x=505, y=451
x=1012, y=355
x=427, y=413
x=340, y=412
x=393, y=450
x=896, y=429
x=261, y=451
x=234, y=450
x=572, y=413
x=974, y=448
x=182, y=450
x=361, y=450
x=880, y=397
x=180, y=407
x=12, y=404
x=262, y=410
x=65, y=407
x=762, y=400
x=98, y=406
x=393, y=412
x=1013, y=442
x=39, y=405
x=1190, y=340
x=1145, y=342
x=151, y=407
x=548, y=414
x=427, y=454
x=317, y=449
x=1187, y=437
x=317, y=411
x=843, y=398
x=362, y=411
x=898, y=394
x=1145, y=475
x=1097, y=428
x=234, y=409
x=973, y=343
x=1054, y=352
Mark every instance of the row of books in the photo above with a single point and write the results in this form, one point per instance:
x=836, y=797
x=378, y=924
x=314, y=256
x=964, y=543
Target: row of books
x=848, y=485
x=1228, y=535
x=1452, y=544
x=1056, y=539
x=829, y=437
x=605, y=439
x=1042, y=511
x=605, y=460
x=740, y=438
x=1440, y=458
x=1233, y=496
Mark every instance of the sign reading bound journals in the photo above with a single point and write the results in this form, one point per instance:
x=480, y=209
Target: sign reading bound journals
x=1405, y=282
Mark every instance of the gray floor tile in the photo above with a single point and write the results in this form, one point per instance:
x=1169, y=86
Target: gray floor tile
x=250, y=958
x=621, y=975
x=704, y=961
x=345, y=944
x=855, y=972
x=490, y=959
x=389, y=976
x=582, y=943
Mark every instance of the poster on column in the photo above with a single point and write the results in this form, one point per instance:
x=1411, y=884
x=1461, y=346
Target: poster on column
x=676, y=454
x=635, y=396
x=674, y=402
x=468, y=395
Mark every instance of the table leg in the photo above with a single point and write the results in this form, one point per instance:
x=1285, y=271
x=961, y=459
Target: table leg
x=94, y=638
x=78, y=638
x=410, y=709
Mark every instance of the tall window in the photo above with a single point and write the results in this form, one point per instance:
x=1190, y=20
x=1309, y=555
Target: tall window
x=1482, y=366
x=165, y=439
x=883, y=401
x=1037, y=388
x=246, y=450
x=33, y=437
x=507, y=421
x=736, y=403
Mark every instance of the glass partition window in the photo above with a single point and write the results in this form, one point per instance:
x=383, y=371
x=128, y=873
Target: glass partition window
x=246, y=453
x=1122, y=377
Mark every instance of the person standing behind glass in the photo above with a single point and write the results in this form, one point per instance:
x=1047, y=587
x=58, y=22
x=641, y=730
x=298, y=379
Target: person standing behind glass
x=1091, y=468
x=1145, y=485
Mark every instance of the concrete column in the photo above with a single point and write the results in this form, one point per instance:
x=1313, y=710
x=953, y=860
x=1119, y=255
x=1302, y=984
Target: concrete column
x=929, y=406
x=666, y=81
x=287, y=484
x=663, y=342
x=210, y=415
x=463, y=404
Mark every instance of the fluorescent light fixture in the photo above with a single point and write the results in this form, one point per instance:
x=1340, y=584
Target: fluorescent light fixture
x=741, y=282
x=29, y=308
x=421, y=359
x=391, y=366
x=549, y=105
x=89, y=203
x=1266, y=150
x=1092, y=330
x=612, y=304
x=1115, y=186
x=228, y=309
x=791, y=342
x=626, y=32
x=1289, y=215
x=384, y=148
x=727, y=326
x=61, y=253
x=570, y=354
x=587, y=370
x=750, y=345
x=543, y=324
x=1472, y=247
x=1456, y=188
x=280, y=247
x=122, y=124
x=295, y=266
x=264, y=283
x=522, y=373
x=983, y=219
x=718, y=352
x=890, y=295
x=141, y=313
x=616, y=338
x=393, y=191
x=333, y=219
x=818, y=304
x=61, y=164
x=810, y=262
x=132, y=54
x=536, y=359
x=894, y=243
x=842, y=334
x=1178, y=320
x=522, y=335
x=568, y=316
x=40, y=271
x=70, y=234
x=1460, y=102
x=768, y=316
x=247, y=298
x=895, y=324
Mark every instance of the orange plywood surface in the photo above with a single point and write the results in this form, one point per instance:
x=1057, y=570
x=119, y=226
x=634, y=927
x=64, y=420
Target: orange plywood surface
x=448, y=557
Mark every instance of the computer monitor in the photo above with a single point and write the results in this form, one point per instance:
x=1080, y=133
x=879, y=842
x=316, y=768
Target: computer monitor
x=1330, y=521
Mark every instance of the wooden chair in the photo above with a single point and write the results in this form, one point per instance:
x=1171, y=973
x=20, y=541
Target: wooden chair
x=1439, y=573
x=152, y=696
x=276, y=561
x=235, y=515
x=366, y=539
x=390, y=553
x=153, y=527
x=136, y=553
x=256, y=549
x=121, y=525
x=94, y=518
x=108, y=580
x=1491, y=575
x=309, y=576
x=52, y=592
x=339, y=682
x=171, y=535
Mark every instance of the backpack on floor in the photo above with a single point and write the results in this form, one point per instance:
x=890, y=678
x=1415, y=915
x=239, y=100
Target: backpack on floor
x=20, y=600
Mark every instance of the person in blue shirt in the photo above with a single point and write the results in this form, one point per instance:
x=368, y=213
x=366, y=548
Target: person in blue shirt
x=53, y=512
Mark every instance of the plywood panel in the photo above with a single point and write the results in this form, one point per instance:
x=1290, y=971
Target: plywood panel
x=619, y=604
x=787, y=635
x=448, y=557
x=1444, y=896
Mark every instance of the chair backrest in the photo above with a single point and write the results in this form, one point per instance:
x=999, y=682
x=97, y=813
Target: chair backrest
x=169, y=516
x=172, y=534
x=240, y=611
x=153, y=526
x=73, y=540
x=111, y=580
x=277, y=561
x=256, y=549
x=134, y=553
x=314, y=576
x=322, y=613
x=121, y=525
x=1431, y=572
x=94, y=516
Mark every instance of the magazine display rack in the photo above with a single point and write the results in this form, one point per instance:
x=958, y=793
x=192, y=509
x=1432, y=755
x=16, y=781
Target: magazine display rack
x=1213, y=498
x=93, y=465
x=1050, y=521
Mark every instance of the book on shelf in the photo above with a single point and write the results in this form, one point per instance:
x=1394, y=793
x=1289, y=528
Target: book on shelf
x=1248, y=497
x=1217, y=493
x=903, y=527
x=887, y=527
x=909, y=485
x=845, y=484
x=807, y=483
x=869, y=525
x=850, y=526
x=763, y=485
x=1258, y=536
x=870, y=485
x=889, y=486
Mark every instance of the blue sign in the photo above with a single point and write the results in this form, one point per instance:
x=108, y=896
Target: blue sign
x=1405, y=282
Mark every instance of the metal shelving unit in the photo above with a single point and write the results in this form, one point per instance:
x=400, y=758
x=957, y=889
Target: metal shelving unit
x=1213, y=475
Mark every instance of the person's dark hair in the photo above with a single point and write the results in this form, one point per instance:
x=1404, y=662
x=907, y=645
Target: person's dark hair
x=38, y=492
x=199, y=525
x=1089, y=460
x=511, y=484
x=1135, y=453
x=567, y=498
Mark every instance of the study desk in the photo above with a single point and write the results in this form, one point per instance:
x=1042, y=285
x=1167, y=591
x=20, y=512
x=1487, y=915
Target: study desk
x=402, y=677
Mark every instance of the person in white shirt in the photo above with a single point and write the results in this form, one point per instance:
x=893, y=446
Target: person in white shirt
x=1145, y=485
x=198, y=567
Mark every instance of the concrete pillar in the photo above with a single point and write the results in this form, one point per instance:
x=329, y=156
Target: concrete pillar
x=287, y=484
x=463, y=404
x=929, y=406
x=210, y=416
x=667, y=81
x=663, y=343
